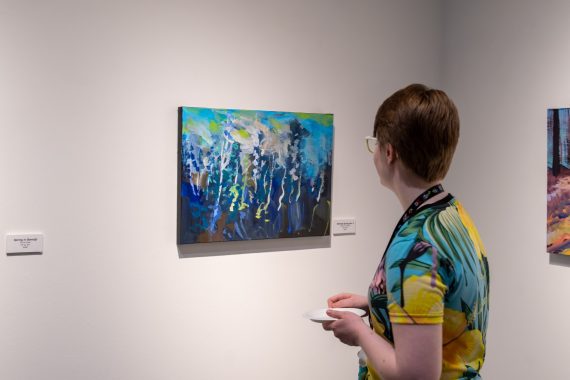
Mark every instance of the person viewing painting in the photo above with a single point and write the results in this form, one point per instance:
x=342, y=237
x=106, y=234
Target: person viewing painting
x=427, y=303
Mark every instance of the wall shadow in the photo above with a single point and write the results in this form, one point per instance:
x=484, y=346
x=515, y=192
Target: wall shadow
x=24, y=254
x=560, y=260
x=252, y=246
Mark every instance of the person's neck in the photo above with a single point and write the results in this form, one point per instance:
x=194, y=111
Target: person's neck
x=407, y=192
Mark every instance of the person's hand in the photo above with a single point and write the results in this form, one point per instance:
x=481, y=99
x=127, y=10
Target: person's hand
x=348, y=300
x=348, y=327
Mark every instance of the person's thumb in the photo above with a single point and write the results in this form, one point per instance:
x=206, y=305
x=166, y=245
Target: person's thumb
x=335, y=313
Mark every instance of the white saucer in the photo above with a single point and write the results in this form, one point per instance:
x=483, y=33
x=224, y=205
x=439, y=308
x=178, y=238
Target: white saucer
x=320, y=315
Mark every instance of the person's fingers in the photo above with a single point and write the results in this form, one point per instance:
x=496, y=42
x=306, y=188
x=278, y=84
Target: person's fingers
x=327, y=325
x=339, y=300
x=339, y=335
x=333, y=299
x=342, y=314
x=345, y=302
x=341, y=296
x=336, y=314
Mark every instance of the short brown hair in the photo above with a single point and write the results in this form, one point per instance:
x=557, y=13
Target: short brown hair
x=422, y=124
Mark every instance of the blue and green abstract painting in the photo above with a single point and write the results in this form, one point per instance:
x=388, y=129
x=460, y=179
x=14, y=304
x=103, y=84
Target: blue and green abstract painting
x=247, y=175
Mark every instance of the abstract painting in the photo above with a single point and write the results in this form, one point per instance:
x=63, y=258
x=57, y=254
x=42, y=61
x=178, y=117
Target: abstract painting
x=558, y=182
x=249, y=175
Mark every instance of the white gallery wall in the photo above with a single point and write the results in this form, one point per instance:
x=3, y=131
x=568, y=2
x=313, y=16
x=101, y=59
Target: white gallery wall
x=89, y=92
x=505, y=63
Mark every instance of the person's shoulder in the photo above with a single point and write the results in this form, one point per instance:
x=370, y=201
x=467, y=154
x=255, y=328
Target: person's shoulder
x=433, y=210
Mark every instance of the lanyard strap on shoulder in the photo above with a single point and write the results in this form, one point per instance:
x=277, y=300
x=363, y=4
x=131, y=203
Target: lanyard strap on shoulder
x=421, y=199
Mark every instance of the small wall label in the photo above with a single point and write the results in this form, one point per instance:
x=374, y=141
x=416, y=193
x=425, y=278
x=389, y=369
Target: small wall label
x=24, y=244
x=344, y=226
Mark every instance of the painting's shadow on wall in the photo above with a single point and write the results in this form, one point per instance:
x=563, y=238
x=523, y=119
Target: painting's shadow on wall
x=560, y=260
x=252, y=246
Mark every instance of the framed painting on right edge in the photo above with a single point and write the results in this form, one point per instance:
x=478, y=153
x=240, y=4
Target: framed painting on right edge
x=558, y=182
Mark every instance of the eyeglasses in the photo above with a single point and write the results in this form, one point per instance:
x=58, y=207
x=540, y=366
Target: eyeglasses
x=371, y=143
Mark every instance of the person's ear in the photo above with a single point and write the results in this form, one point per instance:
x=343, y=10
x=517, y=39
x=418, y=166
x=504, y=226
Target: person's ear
x=391, y=154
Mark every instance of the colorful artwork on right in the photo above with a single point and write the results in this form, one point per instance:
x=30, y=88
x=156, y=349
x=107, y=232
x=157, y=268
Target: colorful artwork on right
x=558, y=182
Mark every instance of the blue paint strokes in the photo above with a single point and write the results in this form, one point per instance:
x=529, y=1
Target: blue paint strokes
x=564, y=119
x=254, y=174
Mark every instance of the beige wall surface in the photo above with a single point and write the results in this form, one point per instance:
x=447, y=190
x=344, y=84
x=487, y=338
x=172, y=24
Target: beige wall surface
x=505, y=63
x=89, y=92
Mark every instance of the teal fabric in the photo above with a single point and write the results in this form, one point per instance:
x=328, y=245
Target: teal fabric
x=435, y=270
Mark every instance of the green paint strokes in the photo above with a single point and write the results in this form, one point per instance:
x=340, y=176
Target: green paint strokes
x=243, y=133
x=276, y=125
x=214, y=127
x=325, y=119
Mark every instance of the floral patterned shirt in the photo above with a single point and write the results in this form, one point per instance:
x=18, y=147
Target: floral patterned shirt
x=435, y=271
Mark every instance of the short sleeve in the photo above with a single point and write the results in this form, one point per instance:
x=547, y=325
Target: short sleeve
x=414, y=285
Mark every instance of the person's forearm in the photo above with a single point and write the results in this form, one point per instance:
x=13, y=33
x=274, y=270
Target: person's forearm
x=381, y=354
x=382, y=357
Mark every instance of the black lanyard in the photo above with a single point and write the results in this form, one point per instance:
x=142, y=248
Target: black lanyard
x=413, y=209
x=428, y=194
